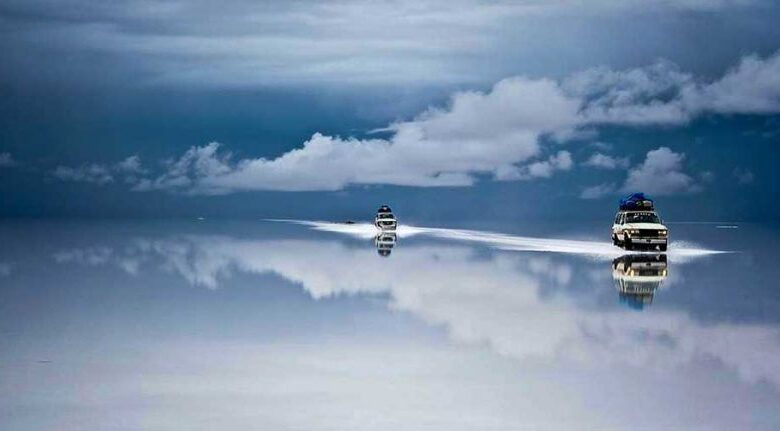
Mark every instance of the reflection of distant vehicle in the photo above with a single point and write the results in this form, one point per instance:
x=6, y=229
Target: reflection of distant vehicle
x=638, y=225
x=385, y=242
x=637, y=276
x=385, y=219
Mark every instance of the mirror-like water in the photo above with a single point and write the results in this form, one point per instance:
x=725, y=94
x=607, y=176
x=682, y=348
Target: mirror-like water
x=313, y=325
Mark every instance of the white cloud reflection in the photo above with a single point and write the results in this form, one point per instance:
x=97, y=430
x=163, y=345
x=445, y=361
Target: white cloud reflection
x=517, y=304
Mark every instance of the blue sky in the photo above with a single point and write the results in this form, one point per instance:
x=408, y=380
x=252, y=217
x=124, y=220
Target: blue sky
x=307, y=109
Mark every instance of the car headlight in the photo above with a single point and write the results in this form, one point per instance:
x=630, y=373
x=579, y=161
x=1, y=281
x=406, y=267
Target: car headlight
x=663, y=232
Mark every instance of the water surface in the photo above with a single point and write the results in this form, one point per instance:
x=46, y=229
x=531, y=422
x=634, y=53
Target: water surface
x=270, y=325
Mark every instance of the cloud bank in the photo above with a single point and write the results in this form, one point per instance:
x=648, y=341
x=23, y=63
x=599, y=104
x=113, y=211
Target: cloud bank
x=505, y=133
x=493, y=133
x=247, y=43
x=516, y=319
x=664, y=95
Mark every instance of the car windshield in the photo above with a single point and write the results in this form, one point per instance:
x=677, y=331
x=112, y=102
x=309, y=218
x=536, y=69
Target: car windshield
x=642, y=218
x=385, y=216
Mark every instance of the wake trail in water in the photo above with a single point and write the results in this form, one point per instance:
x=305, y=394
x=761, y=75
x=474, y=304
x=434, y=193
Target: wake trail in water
x=677, y=249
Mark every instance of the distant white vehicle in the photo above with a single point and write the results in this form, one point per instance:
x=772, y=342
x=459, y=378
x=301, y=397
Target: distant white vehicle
x=385, y=219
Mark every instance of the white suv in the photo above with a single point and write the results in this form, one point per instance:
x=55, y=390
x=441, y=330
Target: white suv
x=634, y=229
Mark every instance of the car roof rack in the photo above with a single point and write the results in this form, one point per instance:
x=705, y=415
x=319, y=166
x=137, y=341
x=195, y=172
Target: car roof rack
x=637, y=202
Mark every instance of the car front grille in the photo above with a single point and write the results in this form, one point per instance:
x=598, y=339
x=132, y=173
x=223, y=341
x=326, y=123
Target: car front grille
x=648, y=233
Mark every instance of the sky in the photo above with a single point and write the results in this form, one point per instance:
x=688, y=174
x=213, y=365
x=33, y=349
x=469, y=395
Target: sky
x=447, y=110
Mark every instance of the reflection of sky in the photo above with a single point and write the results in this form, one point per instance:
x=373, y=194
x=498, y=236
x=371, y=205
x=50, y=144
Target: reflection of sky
x=275, y=326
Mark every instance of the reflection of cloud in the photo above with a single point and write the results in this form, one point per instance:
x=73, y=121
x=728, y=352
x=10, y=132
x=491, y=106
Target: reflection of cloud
x=502, y=300
x=129, y=260
x=85, y=256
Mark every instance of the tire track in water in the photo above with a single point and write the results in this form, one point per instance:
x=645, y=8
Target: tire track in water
x=680, y=250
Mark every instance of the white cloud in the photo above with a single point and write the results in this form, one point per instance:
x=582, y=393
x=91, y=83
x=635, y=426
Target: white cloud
x=87, y=256
x=93, y=173
x=753, y=87
x=662, y=94
x=648, y=95
x=6, y=160
x=605, y=161
x=542, y=169
x=100, y=174
x=130, y=165
x=197, y=162
x=495, y=132
x=661, y=174
x=498, y=133
x=598, y=191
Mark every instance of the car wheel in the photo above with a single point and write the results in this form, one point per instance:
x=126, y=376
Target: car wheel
x=627, y=243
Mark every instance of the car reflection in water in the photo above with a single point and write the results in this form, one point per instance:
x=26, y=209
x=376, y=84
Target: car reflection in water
x=385, y=241
x=638, y=276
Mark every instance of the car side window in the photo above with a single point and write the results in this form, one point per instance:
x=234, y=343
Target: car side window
x=622, y=218
x=617, y=219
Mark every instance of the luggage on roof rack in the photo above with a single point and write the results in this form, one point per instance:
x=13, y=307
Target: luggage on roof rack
x=636, y=202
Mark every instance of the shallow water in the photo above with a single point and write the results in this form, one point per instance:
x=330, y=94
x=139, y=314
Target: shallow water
x=315, y=325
